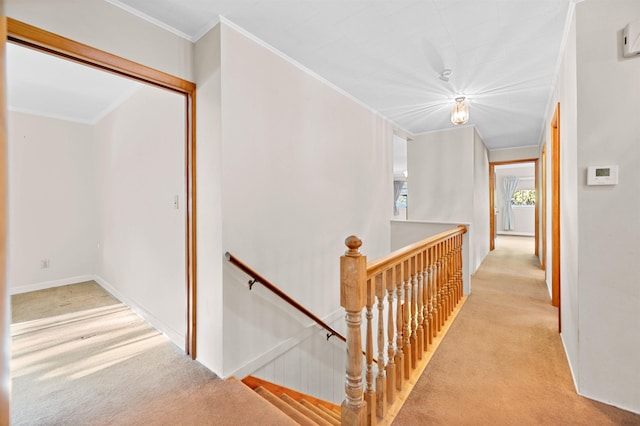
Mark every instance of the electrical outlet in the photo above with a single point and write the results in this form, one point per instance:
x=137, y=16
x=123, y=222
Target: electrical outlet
x=44, y=263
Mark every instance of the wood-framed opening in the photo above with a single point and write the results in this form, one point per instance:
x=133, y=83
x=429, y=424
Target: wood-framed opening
x=492, y=204
x=38, y=39
x=542, y=198
x=555, y=213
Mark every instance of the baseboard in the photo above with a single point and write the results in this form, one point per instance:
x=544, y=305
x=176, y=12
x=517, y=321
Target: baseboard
x=176, y=337
x=262, y=360
x=516, y=234
x=49, y=284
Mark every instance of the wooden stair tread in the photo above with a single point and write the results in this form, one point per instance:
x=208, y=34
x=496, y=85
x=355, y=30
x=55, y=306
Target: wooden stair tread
x=332, y=413
x=328, y=417
x=304, y=410
x=253, y=382
x=290, y=411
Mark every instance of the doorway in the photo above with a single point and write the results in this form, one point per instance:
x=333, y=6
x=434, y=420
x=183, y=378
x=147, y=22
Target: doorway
x=43, y=41
x=525, y=188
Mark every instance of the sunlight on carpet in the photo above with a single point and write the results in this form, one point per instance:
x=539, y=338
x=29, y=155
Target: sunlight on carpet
x=81, y=357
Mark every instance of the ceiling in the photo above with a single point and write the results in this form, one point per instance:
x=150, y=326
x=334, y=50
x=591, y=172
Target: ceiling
x=42, y=84
x=388, y=54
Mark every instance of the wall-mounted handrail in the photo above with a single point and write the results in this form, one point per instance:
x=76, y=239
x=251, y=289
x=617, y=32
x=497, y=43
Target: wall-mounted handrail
x=257, y=278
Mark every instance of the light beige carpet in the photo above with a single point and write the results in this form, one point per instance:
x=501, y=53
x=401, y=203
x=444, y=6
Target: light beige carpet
x=80, y=357
x=502, y=362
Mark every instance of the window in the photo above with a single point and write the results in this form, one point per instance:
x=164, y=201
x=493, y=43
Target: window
x=402, y=199
x=524, y=197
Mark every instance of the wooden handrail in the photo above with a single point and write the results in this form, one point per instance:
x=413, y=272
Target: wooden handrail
x=257, y=278
x=379, y=265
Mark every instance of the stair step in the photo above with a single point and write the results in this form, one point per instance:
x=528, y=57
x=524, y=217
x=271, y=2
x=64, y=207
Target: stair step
x=285, y=408
x=307, y=412
x=253, y=382
x=328, y=417
x=330, y=412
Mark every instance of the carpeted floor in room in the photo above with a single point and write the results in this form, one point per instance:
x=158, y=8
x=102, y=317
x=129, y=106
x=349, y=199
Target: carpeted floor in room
x=502, y=362
x=80, y=357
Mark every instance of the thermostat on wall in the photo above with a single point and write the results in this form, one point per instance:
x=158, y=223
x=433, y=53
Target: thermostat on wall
x=602, y=175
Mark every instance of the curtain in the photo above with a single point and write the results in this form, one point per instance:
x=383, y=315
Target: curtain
x=510, y=184
x=397, y=189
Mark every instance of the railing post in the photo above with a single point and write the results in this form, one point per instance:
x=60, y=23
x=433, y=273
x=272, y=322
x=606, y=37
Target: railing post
x=400, y=329
x=353, y=288
x=381, y=379
x=420, y=315
x=391, y=365
x=406, y=320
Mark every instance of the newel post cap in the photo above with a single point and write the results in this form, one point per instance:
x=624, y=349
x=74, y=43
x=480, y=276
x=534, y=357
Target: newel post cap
x=353, y=276
x=353, y=243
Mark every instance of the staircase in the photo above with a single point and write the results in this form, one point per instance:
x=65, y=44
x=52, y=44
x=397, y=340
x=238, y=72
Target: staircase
x=407, y=299
x=303, y=409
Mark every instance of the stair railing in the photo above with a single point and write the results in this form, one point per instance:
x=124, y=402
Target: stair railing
x=426, y=278
x=257, y=278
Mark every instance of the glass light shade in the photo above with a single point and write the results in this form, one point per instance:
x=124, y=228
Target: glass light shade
x=460, y=112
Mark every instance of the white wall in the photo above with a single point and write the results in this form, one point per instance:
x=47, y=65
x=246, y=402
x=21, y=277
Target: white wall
x=140, y=168
x=52, y=202
x=608, y=88
x=303, y=167
x=104, y=26
x=512, y=154
x=481, y=226
x=209, y=193
x=441, y=190
x=97, y=202
x=455, y=187
x=566, y=94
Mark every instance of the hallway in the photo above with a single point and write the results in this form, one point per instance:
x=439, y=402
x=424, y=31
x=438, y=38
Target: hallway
x=502, y=362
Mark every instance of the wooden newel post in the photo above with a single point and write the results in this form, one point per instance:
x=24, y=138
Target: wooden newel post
x=353, y=296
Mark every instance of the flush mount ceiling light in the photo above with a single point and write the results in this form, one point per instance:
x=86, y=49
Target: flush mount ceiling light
x=460, y=111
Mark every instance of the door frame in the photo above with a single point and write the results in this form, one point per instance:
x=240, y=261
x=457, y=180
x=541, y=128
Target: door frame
x=44, y=41
x=555, y=213
x=542, y=198
x=492, y=191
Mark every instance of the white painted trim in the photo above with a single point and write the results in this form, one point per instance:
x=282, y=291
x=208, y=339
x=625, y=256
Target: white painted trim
x=177, y=338
x=512, y=148
x=268, y=356
x=516, y=234
x=150, y=19
x=308, y=71
x=49, y=284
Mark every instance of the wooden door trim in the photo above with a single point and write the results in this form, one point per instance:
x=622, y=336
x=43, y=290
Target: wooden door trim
x=492, y=206
x=492, y=187
x=555, y=212
x=36, y=38
x=543, y=205
x=5, y=335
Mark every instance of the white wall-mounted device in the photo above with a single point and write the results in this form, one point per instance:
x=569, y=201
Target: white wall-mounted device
x=631, y=39
x=602, y=175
